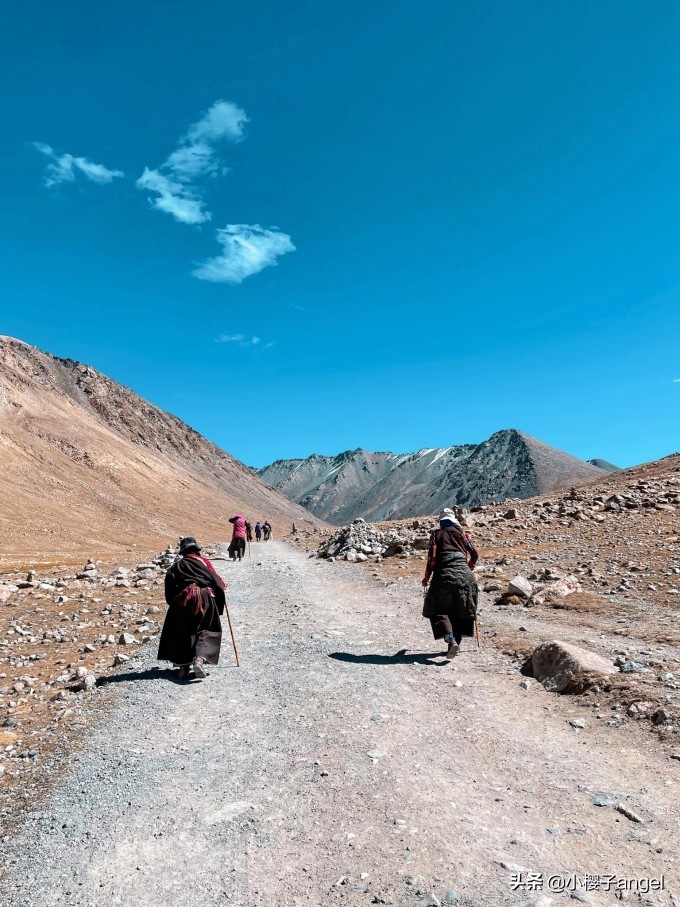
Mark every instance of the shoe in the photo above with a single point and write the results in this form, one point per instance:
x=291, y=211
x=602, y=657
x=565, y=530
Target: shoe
x=454, y=649
x=199, y=670
x=184, y=672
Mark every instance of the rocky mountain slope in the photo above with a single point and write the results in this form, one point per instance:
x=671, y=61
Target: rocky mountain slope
x=86, y=466
x=386, y=485
x=604, y=465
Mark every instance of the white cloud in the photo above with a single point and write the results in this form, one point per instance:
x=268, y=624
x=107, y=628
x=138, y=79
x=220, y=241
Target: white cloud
x=243, y=341
x=676, y=381
x=63, y=167
x=246, y=249
x=196, y=157
x=238, y=338
x=224, y=121
x=174, y=198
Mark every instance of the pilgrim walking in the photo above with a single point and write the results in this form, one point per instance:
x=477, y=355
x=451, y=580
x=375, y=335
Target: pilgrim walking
x=237, y=546
x=451, y=599
x=192, y=631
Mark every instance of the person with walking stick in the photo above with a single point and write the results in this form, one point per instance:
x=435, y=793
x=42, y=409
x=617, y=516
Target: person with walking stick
x=451, y=599
x=192, y=631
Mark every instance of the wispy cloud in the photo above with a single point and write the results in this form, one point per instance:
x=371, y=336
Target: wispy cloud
x=174, y=198
x=675, y=381
x=243, y=341
x=63, y=168
x=298, y=308
x=246, y=249
x=195, y=158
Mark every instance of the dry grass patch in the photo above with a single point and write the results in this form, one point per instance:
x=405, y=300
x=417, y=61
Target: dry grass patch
x=581, y=601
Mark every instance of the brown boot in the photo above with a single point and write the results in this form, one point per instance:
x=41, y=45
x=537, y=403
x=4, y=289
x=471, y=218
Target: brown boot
x=197, y=665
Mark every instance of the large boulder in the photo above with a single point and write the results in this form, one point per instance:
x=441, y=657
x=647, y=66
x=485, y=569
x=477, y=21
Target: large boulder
x=560, y=666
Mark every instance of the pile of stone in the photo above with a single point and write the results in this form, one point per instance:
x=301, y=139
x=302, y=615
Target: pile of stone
x=548, y=585
x=361, y=540
x=587, y=505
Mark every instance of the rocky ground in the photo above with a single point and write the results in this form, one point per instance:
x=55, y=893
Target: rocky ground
x=600, y=563
x=61, y=632
x=347, y=762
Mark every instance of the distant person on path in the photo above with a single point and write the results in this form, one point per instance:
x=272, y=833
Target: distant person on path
x=249, y=531
x=237, y=546
x=258, y=531
x=451, y=600
x=267, y=530
x=192, y=631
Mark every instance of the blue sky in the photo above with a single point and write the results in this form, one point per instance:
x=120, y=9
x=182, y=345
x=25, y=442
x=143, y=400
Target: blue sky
x=406, y=225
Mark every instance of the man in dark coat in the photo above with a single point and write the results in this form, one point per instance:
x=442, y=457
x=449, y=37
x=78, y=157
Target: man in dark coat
x=192, y=631
x=451, y=600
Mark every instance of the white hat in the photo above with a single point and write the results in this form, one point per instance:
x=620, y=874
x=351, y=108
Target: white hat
x=448, y=514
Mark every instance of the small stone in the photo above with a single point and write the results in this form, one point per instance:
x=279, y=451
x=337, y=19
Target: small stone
x=89, y=648
x=119, y=658
x=493, y=586
x=512, y=867
x=628, y=813
x=577, y=722
x=605, y=799
x=661, y=716
x=126, y=639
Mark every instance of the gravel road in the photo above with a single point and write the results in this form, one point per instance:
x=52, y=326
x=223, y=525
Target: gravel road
x=335, y=767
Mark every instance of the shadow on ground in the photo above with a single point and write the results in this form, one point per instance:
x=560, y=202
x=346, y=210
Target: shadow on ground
x=402, y=657
x=134, y=676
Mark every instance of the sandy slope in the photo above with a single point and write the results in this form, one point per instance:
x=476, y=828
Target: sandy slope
x=88, y=467
x=332, y=769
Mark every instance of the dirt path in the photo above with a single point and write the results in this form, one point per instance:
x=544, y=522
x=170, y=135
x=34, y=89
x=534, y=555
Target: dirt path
x=330, y=769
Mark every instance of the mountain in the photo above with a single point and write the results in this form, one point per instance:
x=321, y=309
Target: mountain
x=385, y=485
x=604, y=465
x=89, y=467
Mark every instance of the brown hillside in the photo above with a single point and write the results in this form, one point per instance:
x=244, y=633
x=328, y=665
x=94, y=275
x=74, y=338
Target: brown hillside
x=87, y=466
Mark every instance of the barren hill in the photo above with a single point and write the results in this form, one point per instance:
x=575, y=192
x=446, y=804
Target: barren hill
x=88, y=466
x=385, y=485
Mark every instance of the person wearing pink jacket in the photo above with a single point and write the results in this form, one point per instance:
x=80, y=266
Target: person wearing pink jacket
x=237, y=546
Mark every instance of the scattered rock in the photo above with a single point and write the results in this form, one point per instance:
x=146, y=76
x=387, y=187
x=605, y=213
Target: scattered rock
x=605, y=799
x=521, y=586
x=557, y=665
x=628, y=813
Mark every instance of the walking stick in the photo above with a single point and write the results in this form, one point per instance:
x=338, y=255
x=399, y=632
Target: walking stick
x=231, y=630
x=477, y=633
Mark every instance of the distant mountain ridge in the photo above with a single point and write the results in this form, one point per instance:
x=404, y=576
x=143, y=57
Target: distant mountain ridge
x=605, y=465
x=382, y=485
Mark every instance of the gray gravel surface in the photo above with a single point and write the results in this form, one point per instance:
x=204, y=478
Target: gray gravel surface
x=335, y=767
